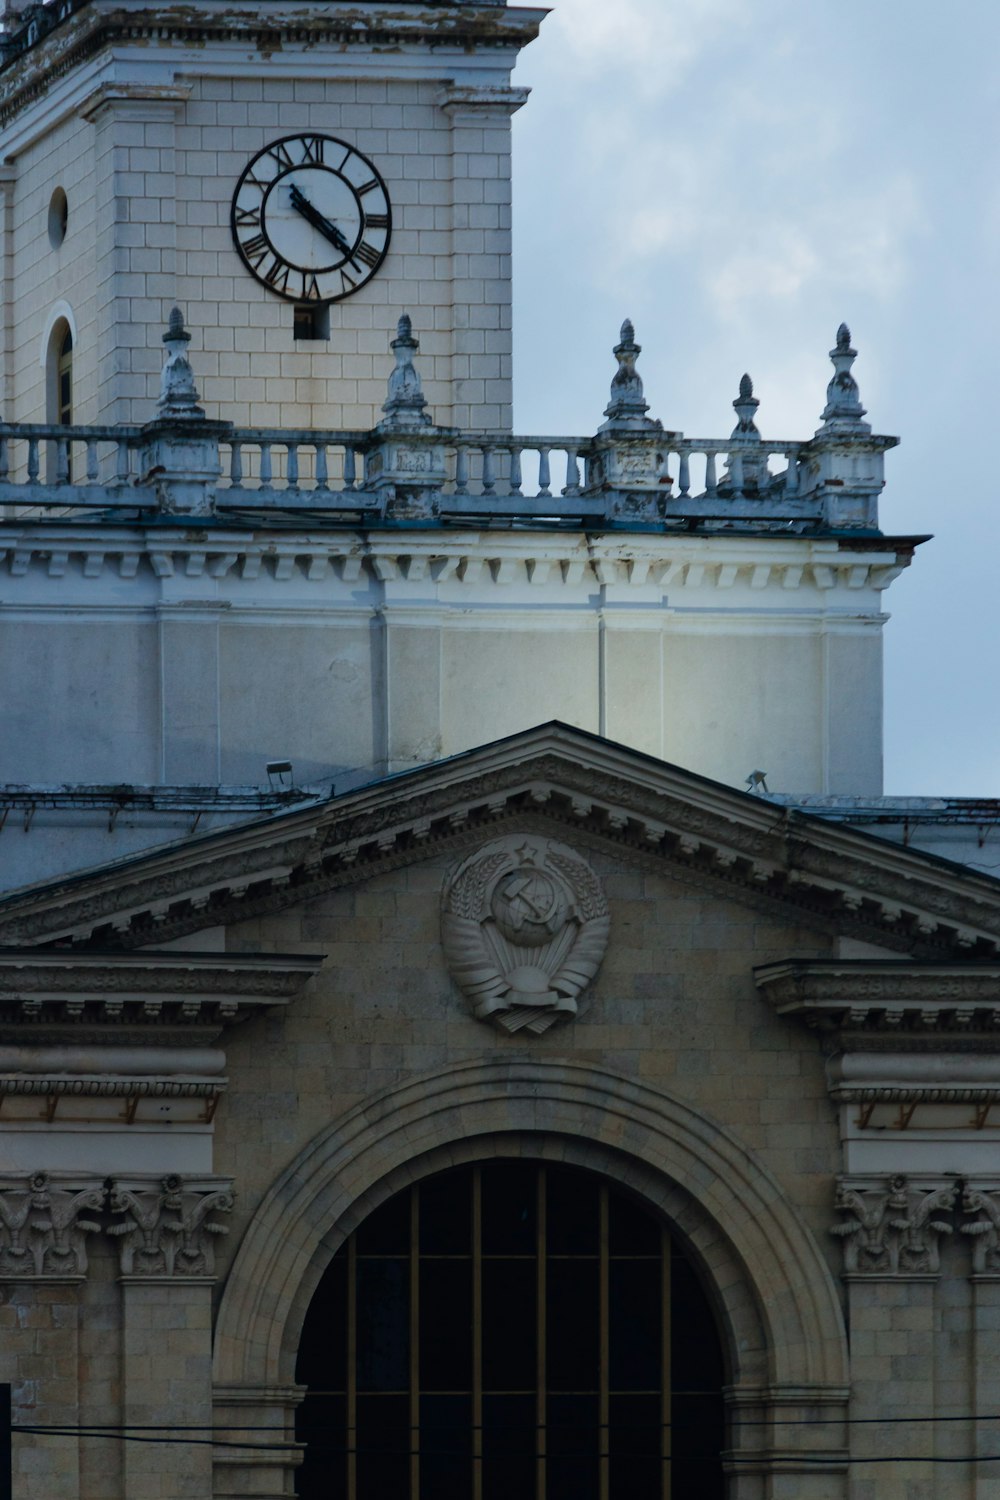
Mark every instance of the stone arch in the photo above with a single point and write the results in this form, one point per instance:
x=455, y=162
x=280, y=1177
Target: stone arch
x=59, y=313
x=773, y=1290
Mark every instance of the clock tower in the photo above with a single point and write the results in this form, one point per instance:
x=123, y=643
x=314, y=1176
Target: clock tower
x=293, y=177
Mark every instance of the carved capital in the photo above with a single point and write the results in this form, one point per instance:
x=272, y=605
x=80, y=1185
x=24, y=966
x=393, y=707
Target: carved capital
x=168, y=1227
x=44, y=1223
x=892, y=1228
x=524, y=926
x=983, y=1226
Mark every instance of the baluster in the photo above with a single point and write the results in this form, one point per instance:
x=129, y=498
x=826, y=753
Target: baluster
x=711, y=484
x=544, y=476
x=62, y=460
x=265, y=466
x=32, y=460
x=515, y=471
x=350, y=468
x=4, y=464
x=572, y=473
x=292, y=466
x=792, y=477
x=684, y=475
x=121, y=461
x=461, y=471
x=489, y=474
x=736, y=474
x=236, y=463
x=322, y=475
x=92, y=470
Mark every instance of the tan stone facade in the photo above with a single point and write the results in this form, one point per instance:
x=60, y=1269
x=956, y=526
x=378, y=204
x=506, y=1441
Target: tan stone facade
x=686, y=1076
x=224, y=1059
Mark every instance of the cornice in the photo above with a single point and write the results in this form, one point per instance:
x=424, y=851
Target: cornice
x=777, y=860
x=95, y=997
x=91, y=551
x=269, y=29
x=908, y=1005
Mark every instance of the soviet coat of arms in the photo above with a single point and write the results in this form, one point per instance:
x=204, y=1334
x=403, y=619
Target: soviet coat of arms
x=524, y=926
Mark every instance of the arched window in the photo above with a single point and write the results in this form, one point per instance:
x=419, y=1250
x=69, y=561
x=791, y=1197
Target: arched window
x=64, y=375
x=59, y=397
x=510, y=1331
x=59, y=374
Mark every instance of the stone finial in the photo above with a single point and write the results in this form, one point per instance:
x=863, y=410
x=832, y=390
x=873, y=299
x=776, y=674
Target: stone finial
x=746, y=466
x=843, y=401
x=745, y=406
x=405, y=406
x=627, y=404
x=178, y=392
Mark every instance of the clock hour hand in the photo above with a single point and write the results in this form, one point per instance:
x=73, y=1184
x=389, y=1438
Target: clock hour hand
x=319, y=221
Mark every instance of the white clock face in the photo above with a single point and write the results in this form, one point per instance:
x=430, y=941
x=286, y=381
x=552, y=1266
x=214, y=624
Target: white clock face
x=311, y=218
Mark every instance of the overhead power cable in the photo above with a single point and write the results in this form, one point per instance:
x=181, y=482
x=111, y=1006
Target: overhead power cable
x=342, y=1451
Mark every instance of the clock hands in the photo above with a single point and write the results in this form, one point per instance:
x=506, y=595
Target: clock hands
x=319, y=221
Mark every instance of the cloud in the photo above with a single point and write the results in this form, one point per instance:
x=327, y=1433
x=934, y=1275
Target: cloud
x=596, y=37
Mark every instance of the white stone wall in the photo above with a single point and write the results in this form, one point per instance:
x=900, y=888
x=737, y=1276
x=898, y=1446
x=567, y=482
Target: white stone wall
x=149, y=172
x=44, y=279
x=167, y=662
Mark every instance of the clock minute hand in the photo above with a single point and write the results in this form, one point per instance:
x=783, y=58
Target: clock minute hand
x=330, y=231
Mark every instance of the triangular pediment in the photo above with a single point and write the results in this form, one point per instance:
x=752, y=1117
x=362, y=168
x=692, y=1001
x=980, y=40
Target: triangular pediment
x=558, y=780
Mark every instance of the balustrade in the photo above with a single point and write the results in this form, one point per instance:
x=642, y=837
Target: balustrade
x=45, y=465
x=274, y=468
x=631, y=473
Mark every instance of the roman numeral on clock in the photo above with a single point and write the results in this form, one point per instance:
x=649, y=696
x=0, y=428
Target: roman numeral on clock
x=376, y=221
x=276, y=275
x=281, y=154
x=255, y=249
x=312, y=149
x=246, y=217
x=366, y=254
x=310, y=288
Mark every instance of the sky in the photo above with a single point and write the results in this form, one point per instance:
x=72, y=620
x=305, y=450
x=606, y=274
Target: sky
x=740, y=179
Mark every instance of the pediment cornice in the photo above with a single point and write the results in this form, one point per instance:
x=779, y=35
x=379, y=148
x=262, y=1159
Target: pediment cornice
x=875, y=1004
x=556, y=779
x=65, y=995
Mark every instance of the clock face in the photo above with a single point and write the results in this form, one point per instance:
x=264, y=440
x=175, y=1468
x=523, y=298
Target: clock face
x=311, y=218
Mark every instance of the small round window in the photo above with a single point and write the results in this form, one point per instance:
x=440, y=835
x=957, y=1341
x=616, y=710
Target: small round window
x=58, y=218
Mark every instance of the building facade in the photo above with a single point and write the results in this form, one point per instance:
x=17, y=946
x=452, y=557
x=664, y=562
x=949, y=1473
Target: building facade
x=472, y=1023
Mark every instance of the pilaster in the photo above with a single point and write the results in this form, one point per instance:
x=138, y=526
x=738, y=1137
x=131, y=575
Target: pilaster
x=45, y=1222
x=986, y=1381
x=481, y=252
x=787, y=1443
x=8, y=187
x=136, y=249
x=190, y=707
x=266, y=1471
x=165, y=1233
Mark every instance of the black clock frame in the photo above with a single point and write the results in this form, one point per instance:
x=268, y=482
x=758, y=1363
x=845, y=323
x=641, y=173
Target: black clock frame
x=314, y=157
